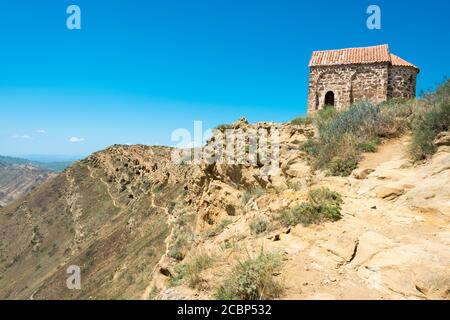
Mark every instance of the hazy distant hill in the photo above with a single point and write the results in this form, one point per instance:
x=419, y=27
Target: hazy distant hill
x=45, y=163
x=18, y=176
x=18, y=179
x=107, y=214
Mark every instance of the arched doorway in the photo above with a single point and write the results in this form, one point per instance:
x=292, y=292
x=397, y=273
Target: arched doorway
x=329, y=98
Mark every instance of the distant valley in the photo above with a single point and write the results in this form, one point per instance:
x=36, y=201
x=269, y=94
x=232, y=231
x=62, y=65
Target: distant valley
x=19, y=176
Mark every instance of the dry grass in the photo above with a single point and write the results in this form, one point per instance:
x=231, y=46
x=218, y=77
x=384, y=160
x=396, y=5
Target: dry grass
x=322, y=205
x=344, y=136
x=252, y=279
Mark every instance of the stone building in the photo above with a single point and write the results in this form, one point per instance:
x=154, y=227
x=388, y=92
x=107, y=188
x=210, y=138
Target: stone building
x=340, y=78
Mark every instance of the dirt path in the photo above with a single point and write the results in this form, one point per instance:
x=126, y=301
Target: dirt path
x=108, y=190
x=72, y=197
x=393, y=241
x=390, y=150
x=168, y=242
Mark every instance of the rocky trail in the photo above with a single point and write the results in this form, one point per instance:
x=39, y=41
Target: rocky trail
x=168, y=242
x=393, y=241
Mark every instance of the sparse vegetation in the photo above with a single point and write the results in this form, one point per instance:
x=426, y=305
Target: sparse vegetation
x=178, y=250
x=343, y=136
x=369, y=146
x=252, y=279
x=432, y=119
x=190, y=272
x=259, y=225
x=302, y=121
x=217, y=229
x=153, y=293
x=224, y=126
x=322, y=205
x=250, y=193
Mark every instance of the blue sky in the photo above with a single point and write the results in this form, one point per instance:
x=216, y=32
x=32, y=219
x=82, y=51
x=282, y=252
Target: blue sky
x=137, y=70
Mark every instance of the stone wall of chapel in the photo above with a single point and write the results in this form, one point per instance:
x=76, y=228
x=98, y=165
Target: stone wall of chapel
x=402, y=82
x=349, y=83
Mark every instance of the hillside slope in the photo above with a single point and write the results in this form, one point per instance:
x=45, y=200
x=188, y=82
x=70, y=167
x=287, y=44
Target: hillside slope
x=391, y=243
x=136, y=222
x=17, y=180
x=106, y=214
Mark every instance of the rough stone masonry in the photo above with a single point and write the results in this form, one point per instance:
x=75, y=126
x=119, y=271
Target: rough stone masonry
x=342, y=77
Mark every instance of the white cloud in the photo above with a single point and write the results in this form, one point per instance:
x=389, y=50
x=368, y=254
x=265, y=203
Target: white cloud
x=41, y=131
x=17, y=136
x=76, y=139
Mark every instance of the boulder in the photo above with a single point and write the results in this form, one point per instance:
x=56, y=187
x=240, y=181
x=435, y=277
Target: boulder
x=298, y=170
x=363, y=173
x=278, y=183
x=443, y=139
x=388, y=193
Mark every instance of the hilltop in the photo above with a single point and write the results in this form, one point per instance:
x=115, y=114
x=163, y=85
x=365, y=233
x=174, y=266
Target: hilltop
x=359, y=209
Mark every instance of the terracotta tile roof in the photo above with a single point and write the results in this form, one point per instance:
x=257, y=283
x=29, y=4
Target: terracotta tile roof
x=356, y=56
x=351, y=56
x=397, y=61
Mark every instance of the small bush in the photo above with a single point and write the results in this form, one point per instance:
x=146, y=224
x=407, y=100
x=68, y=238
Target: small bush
x=433, y=118
x=224, y=126
x=252, y=279
x=250, y=193
x=178, y=250
x=322, y=205
x=369, y=146
x=259, y=225
x=190, y=272
x=302, y=121
x=342, y=166
x=217, y=229
x=178, y=275
x=153, y=293
x=325, y=115
x=343, y=136
x=310, y=147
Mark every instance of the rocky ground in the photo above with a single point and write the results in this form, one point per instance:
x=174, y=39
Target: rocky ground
x=393, y=241
x=129, y=217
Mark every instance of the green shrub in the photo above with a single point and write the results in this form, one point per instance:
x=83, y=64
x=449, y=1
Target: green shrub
x=217, y=229
x=224, y=126
x=343, y=136
x=259, y=225
x=190, y=272
x=250, y=193
x=310, y=147
x=179, y=248
x=369, y=146
x=199, y=262
x=322, y=205
x=342, y=166
x=252, y=279
x=302, y=121
x=325, y=115
x=433, y=118
x=178, y=275
x=153, y=293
